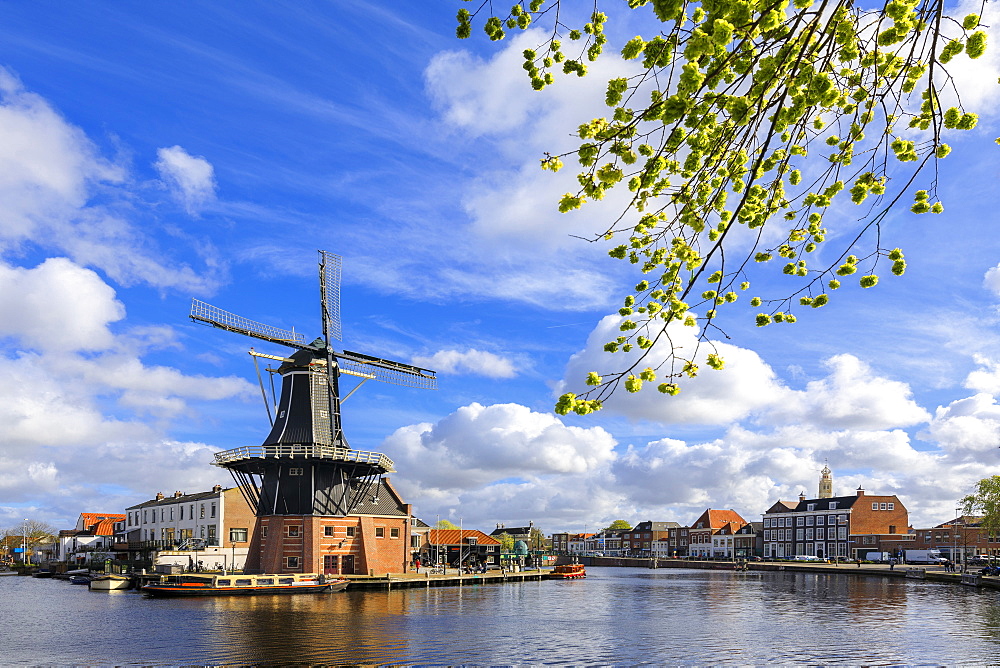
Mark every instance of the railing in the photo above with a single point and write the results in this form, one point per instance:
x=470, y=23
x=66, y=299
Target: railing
x=311, y=451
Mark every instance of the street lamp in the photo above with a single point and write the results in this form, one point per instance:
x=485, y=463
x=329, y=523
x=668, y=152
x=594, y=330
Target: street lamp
x=24, y=543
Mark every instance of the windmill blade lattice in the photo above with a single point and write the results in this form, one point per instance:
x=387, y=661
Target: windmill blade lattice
x=387, y=371
x=329, y=289
x=212, y=315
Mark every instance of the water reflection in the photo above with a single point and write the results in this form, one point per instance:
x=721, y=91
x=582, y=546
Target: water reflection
x=615, y=616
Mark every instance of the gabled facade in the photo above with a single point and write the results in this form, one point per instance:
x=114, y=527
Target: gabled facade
x=92, y=537
x=711, y=535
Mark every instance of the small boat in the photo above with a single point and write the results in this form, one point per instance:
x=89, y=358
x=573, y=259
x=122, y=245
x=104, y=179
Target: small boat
x=79, y=579
x=4, y=570
x=110, y=582
x=42, y=573
x=568, y=572
x=242, y=585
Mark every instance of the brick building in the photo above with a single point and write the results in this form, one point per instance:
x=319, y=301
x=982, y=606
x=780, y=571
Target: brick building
x=843, y=526
x=960, y=539
x=375, y=538
x=711, y=535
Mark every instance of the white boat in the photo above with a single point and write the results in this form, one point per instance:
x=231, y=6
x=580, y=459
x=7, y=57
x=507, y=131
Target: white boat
x=109, y=582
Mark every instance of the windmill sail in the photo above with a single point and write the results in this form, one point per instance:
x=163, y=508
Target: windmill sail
x=329, y=293
x=216, y=317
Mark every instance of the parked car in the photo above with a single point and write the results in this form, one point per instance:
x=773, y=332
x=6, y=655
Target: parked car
x=805, y=557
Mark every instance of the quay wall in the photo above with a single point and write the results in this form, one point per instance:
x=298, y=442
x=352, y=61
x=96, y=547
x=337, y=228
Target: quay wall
x=850, y=569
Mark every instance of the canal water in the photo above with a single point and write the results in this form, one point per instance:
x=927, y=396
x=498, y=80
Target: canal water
x=615, y=616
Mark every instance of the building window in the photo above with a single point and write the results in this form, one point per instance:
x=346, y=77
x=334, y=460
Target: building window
x=238, y=535
x=799, y=521
x=295, y=471
x=327, y=531
x=292, y=531
x=809, y=521
x=380, y=532
x=833, y=505
x=811, y=506
x=202, y=527
x=883, y=506
x=394, y=532
x=892, y=506
x=874, y=506
x=182, y=512
x=892, y=528
x=213, y=509
x=292, y=562
x=821, y=519
x=263, y=531
x=820, y=534
x=351, y=531
x=202, y=513
x=171, y=513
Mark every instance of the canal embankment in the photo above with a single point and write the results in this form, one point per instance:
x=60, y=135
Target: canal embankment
x=933, y=573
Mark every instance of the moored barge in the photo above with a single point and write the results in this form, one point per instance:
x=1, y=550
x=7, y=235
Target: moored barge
x=568, y=572
x=242, y=585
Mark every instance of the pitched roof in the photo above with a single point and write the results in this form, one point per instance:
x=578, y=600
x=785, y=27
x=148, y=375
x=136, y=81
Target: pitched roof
x=842, y=502
x=458, y=536
x=87, y=521
x=720, y=518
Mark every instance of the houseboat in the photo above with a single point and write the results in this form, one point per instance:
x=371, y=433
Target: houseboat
x=242, y=585
x=568, y=572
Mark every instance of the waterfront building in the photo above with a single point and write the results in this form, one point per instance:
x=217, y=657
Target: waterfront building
x=455, y=547
x=748, y=540
x=560, y=543
x=678, y=541
x=213, y=527
x=959, y=539
x=578, y=542
x=638, y=541
x=92, y=537
x=711, y=535
x=844, y=526
x=418, y=536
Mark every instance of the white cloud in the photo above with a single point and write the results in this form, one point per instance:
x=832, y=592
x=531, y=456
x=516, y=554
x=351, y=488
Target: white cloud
x=472, y=361
x=51, y=174
x=968, y=429
x=986, y=378
x=191, y=179
x=851, y=397
x=58, y=305
x=82, y=412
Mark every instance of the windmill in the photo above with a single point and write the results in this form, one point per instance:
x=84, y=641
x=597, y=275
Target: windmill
x=305, y=465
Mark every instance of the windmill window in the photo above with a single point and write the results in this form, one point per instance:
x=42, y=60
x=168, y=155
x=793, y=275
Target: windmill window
x=393, y=532
x=281, y=415
x=380, y=532
x=293, y=531
x=324, y=414
x=351, y=531
x=295, y=471
x=327, y=531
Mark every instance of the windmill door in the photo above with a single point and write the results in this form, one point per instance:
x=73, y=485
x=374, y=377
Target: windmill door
x=330, y=565
x=347, y=564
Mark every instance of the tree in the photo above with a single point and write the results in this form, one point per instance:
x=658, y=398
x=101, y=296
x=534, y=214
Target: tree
x=30, y=533
x=735, y=127
x=985, y=502
x=506, y=542
x=445, y=524
x=618, y=525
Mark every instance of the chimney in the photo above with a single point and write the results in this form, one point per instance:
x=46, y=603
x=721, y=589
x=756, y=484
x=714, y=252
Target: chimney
x=159, y=496
x=177, y=494
x=217, y=489
x=861, y=491
x=802, y=497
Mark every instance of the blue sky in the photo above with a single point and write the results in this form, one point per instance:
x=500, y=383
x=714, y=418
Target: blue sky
x=155, y=152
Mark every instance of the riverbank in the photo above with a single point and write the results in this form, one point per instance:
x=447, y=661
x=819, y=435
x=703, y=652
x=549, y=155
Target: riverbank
x=934, y=573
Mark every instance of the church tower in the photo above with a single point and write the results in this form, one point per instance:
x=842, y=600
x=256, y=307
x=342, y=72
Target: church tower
x=825, y=483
